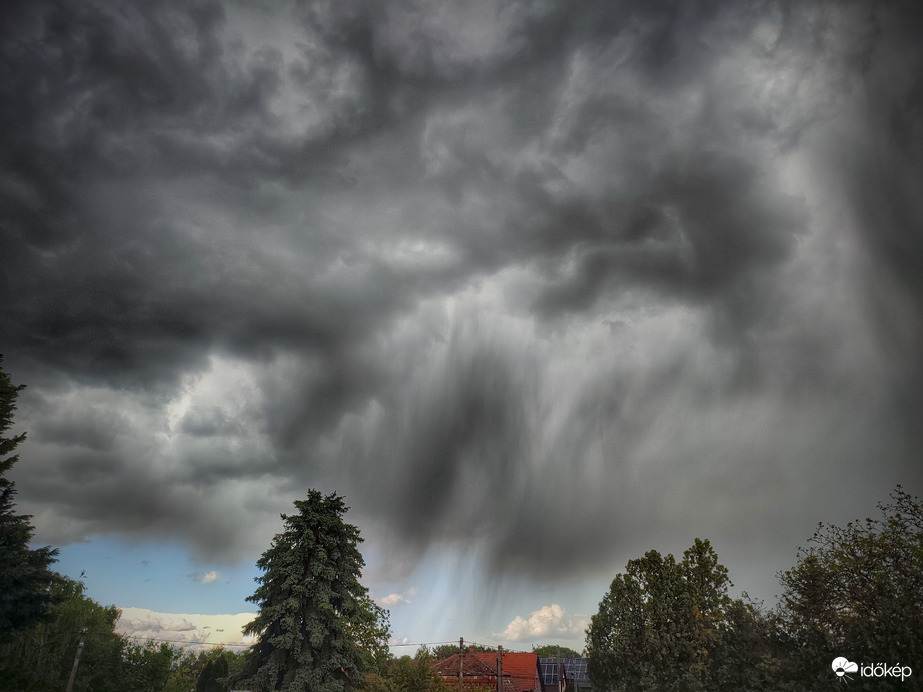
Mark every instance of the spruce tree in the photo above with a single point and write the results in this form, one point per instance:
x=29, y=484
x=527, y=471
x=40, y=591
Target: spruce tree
x=317, y=627
x=25, y=576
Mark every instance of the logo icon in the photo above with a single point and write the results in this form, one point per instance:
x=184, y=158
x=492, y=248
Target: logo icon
x=841, y=666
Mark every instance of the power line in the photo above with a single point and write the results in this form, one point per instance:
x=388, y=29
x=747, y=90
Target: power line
x=186, y=642
x=483, y=646
x=183, y=641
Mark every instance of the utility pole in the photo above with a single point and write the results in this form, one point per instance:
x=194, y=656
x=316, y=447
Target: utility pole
x=559, y=664
x=70, y=681
x=461, y=662
x=499, y=668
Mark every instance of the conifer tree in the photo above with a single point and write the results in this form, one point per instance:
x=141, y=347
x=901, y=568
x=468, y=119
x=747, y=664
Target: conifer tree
x=25, y=576
x=317, y=627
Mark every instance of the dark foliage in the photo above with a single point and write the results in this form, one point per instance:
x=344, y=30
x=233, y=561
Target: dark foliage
x=317, y=627
x=25, y=574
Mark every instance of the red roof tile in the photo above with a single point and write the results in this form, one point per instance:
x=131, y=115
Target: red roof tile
x=479, y=669
x=448, y=667
x=521, y=667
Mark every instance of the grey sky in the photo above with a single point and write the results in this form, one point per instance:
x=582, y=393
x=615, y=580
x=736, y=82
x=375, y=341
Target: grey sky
x=603, y=276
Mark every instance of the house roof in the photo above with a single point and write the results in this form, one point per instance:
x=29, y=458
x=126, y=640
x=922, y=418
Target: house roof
x=480, y=669
x=521, y=667
x=473, y=666
x=575, y=670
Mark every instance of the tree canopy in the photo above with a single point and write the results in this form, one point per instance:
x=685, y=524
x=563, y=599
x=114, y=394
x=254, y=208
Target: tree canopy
x=213, y=676
x=553, y=650
x=206, y=670
x=664, y=624
x=41, y=656
x=25, y=574
x=441, y=651
x=856, y=591
x=417, y=674
x=317, y=627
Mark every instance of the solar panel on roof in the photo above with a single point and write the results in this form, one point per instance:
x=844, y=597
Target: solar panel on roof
x=576, y=669
x=549, y=668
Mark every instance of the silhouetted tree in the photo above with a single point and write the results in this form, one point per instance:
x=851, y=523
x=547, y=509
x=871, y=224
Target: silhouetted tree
x=856, y=592
x=25, y=574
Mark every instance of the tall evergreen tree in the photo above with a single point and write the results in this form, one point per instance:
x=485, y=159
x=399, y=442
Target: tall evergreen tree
x=318, y=628
x=25, y=576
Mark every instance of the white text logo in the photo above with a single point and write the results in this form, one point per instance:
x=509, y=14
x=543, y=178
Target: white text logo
x=843, y=667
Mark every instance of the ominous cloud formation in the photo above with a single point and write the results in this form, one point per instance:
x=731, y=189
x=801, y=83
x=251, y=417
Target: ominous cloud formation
x=598, y=275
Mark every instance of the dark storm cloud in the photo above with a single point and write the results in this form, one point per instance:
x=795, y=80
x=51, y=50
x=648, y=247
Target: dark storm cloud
x=94, y=429
x=250, y=249
x=707, y=234
x=104, y=106
x=83, y=89
x=882, y=171
x=208, y=422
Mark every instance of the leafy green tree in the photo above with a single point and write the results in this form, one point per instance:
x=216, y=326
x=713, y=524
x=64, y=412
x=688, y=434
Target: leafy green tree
x=146, y=667
x=41, y=657
x=444, y=651
x=25, y=574
x=372, y=631
x=187, y=668
x=664, y=624
x=748, y=655
x=183, y=673
x=417, y=674
x=213, y=677
x=856, y=592
x=376, y=682
x=552, y=650
x=317, y=627
x=406, y=674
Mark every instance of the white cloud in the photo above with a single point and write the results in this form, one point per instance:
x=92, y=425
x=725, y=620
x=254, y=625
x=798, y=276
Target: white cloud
x=205, y=577
x=186, y=629
x=547, y=621
x=392, y=599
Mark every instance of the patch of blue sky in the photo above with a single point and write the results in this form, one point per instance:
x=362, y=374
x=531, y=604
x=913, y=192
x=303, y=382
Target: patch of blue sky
x=163, y=577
